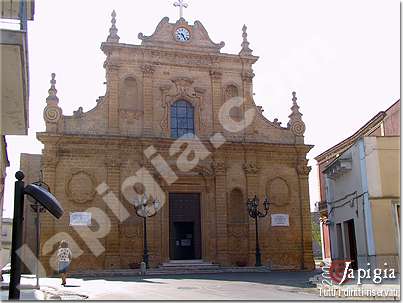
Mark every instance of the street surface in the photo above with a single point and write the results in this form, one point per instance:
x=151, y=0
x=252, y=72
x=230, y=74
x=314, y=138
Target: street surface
x=220, y=286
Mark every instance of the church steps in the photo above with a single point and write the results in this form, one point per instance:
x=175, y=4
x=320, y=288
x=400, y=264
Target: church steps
x=212, y=269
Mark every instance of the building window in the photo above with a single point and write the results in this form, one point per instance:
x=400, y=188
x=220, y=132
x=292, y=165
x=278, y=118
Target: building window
x=182, y=119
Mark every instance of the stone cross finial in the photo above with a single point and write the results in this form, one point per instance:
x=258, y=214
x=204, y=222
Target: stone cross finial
x=52, y=90
x=113, y=31
x=181, y=5
x=245, y=44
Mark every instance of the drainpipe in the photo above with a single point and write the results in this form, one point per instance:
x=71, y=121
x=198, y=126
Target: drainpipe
x=367, y=205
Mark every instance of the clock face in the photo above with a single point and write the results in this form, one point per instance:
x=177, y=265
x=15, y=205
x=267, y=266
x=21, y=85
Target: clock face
x=182, y=34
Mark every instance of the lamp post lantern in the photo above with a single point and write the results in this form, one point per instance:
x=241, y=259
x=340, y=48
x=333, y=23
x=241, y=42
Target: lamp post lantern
x=146, y=209
x=255, y=213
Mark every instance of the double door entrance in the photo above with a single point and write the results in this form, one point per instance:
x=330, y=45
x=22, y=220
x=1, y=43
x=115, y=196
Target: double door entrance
x=184, y=226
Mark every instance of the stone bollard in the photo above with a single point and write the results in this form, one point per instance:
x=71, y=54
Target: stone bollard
x=143, y=268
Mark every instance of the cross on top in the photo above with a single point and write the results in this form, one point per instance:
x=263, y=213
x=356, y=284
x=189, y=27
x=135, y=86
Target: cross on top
x=181, y=5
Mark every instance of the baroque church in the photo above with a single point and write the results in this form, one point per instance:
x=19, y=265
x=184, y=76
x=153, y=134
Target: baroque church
x=162, y=110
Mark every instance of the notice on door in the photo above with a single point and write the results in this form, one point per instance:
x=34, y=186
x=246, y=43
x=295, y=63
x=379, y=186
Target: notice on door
x=80, y=219
x=280, y=220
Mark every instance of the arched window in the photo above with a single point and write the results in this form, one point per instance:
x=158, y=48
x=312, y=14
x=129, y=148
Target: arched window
x=182, y=119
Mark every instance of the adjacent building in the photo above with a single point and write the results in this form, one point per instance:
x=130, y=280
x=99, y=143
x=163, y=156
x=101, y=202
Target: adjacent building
x=360, y=192
x=6, y=236
x=14, y=93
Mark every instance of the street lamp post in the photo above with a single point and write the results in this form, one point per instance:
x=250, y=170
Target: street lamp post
x=37, y=208
x=146, y=209
x=255, y=213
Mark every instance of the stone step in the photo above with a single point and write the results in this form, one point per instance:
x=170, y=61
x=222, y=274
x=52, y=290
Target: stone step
x=187, y=265
x=169, y=271
x=193, y=261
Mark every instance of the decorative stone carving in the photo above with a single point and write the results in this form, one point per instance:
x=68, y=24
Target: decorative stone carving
x=52, y=112
x=80, y=187
x=130, y=115
x=183, y=90
x=163, y=36
x=219, y=166
x=245, y=51
x=78, y=113
x=148, y=69
x=298, y=128
x=215, y=74
x=160, y=57
x=303, y=169
x=113, y=31
x=247, y=76
x=278, y=191
x=276, y=122
x=204, y=170
x=182, y=85
x=251, y=168
x=296, y=125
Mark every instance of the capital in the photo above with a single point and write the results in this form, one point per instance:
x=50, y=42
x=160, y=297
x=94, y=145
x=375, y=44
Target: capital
x=215, y=74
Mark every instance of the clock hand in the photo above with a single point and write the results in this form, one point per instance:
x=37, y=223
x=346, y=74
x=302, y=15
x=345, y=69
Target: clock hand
x=183, y=36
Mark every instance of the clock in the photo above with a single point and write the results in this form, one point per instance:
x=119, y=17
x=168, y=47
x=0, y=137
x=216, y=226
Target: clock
x=182, y=34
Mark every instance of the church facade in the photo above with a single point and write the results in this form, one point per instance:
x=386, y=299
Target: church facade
x=165, y=116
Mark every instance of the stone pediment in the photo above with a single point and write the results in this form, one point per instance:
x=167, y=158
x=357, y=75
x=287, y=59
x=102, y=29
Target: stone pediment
x=164, y=36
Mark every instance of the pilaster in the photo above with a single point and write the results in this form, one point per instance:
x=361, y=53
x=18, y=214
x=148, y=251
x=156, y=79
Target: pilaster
x=148, y=72
x=303, y=171
x=112, y=241
x=252, y=187
x=112, y=76
x=216, y=87
x=49, y=164
x=221, y=212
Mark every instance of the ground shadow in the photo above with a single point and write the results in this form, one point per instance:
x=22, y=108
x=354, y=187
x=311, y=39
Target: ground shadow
x=281, y=278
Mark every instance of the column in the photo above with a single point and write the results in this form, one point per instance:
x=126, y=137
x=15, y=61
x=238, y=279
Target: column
x=148, y=71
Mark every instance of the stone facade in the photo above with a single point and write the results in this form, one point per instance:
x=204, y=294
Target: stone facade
x=130, y=129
